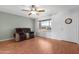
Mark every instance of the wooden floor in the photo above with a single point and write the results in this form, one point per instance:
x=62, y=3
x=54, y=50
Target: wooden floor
x=38, y=45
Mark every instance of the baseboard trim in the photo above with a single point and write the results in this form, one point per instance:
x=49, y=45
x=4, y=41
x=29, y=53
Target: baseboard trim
x=6, y=39
x=47, y=37
x=70, y=42
x=58, y=39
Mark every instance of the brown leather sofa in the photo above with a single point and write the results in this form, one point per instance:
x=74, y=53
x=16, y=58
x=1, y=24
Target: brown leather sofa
x=23, y=34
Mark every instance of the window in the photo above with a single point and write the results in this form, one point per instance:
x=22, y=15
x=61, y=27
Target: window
x=45, y=24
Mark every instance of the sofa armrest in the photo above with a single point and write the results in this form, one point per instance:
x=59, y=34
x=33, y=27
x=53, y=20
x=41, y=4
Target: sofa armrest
x=16, y=36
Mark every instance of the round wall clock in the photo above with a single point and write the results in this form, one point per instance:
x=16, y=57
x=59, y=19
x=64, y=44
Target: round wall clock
x=68, y=21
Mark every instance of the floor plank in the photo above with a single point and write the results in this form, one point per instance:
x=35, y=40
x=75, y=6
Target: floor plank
x=38, y=45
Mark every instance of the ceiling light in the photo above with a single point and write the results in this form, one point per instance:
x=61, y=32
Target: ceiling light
x=34, y=10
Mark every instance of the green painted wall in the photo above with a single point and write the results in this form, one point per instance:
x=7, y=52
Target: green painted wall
x=9, y=22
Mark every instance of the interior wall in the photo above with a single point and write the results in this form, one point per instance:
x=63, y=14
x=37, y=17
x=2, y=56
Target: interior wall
x=61, y=30
x=9, y=22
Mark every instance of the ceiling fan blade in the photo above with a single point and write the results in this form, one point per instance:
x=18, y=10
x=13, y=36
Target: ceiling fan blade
x=25, y=10
x=29, y=13
x=40, y=10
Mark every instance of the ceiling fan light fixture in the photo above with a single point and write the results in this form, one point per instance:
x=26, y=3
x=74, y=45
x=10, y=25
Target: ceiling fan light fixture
x=34, y=10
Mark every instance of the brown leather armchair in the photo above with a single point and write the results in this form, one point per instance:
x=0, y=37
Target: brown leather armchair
x=23, y=34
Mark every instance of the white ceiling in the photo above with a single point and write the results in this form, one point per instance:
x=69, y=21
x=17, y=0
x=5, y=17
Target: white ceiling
x=49, y=9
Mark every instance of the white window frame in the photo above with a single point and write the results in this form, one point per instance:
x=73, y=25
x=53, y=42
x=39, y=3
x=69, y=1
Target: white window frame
x=44, y=27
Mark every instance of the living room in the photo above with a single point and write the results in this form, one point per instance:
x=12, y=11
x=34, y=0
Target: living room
x=45, y=29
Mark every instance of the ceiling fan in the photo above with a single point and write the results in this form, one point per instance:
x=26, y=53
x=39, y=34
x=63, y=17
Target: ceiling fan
x=33, y=10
